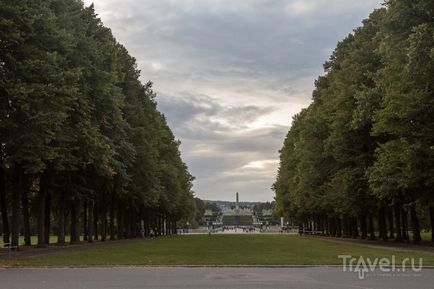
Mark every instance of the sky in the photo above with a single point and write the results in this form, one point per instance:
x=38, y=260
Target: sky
x=229, y=76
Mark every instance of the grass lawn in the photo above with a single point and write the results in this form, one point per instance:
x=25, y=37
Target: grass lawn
x=214, y=250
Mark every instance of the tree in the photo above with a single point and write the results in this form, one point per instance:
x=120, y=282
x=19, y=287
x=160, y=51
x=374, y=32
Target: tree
x=79, y=128
x=362, y=151
x=405, y=122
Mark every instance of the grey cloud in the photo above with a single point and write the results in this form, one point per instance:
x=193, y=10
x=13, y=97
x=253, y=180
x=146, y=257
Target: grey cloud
x=212, y=147
x=184, y=108
x=264, y=37
x=190, y=114
x=221, y=65
x=259, y=143
x=242, y=114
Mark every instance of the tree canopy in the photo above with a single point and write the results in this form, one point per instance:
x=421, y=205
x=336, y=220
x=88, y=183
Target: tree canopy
x=83, y=145
x=360, y=158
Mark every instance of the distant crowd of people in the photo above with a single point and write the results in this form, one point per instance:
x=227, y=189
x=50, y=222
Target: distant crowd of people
x=285, y=230
x=235, y=228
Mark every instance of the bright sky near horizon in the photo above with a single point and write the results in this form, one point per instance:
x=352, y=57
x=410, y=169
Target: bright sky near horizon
x=230, y=75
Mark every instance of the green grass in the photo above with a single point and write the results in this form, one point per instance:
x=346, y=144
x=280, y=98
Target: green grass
x=213, y=250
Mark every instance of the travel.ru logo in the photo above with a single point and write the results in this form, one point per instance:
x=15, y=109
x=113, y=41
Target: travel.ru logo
x=386, y=266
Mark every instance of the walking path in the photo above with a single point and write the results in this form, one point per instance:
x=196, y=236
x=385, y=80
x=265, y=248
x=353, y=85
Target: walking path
x=377, y=244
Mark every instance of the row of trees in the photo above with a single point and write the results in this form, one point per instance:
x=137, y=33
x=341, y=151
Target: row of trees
x=201, y=218
x=83, y=148
x=359, y=161
x=269, y=218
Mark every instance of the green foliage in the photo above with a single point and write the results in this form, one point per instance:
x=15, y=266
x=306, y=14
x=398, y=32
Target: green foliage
x=405, y=121
x=367, y=138
x=74, y=110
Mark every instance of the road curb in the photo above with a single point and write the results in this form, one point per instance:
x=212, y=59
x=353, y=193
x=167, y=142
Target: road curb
x=183, y=266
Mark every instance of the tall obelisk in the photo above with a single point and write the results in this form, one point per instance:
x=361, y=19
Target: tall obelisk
x=237, y=212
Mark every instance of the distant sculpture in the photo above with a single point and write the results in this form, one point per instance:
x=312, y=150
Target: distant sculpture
x=236, y=216
x=237, y=211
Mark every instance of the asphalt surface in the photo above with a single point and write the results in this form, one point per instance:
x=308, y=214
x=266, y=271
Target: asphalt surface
x=202, y=278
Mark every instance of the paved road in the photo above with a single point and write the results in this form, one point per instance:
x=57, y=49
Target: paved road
x=202, y=278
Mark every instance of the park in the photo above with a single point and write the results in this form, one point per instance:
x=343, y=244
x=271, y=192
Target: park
x=239, y=260
x=216, y=144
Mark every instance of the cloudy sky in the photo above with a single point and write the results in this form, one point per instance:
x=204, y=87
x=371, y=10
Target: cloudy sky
x=230, y=74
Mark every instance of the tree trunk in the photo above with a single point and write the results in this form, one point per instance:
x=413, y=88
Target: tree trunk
x=25, y=210
x=47, y=218
x=331, y=227
x=404, y=217
x=314, y=226
x=86, y=212
x=431, y=214
x=363, y=226
x=159, y=220
x=390, y=221
x=168, y=226
x=146, y=222
x=90, y=223
x=415, y=225
x=127, y=223
x=16, y=195
x=345, y=227
x=3, y=208
x=119, y=221
x=324, y=225
x=61, y=219
x=3, y=204
x=371, y=227
x=339, y=227
x=95, y=219
x=172, y=221
x=112, y=223
x=382, y=224
x=333, y=230
x=134, y=225
x=155, y=223
x=398, y=224
x=75, y=221
x=162, y=225
x=112, y=217
x=104, y=222
x=41, y=210
x=355, y=228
